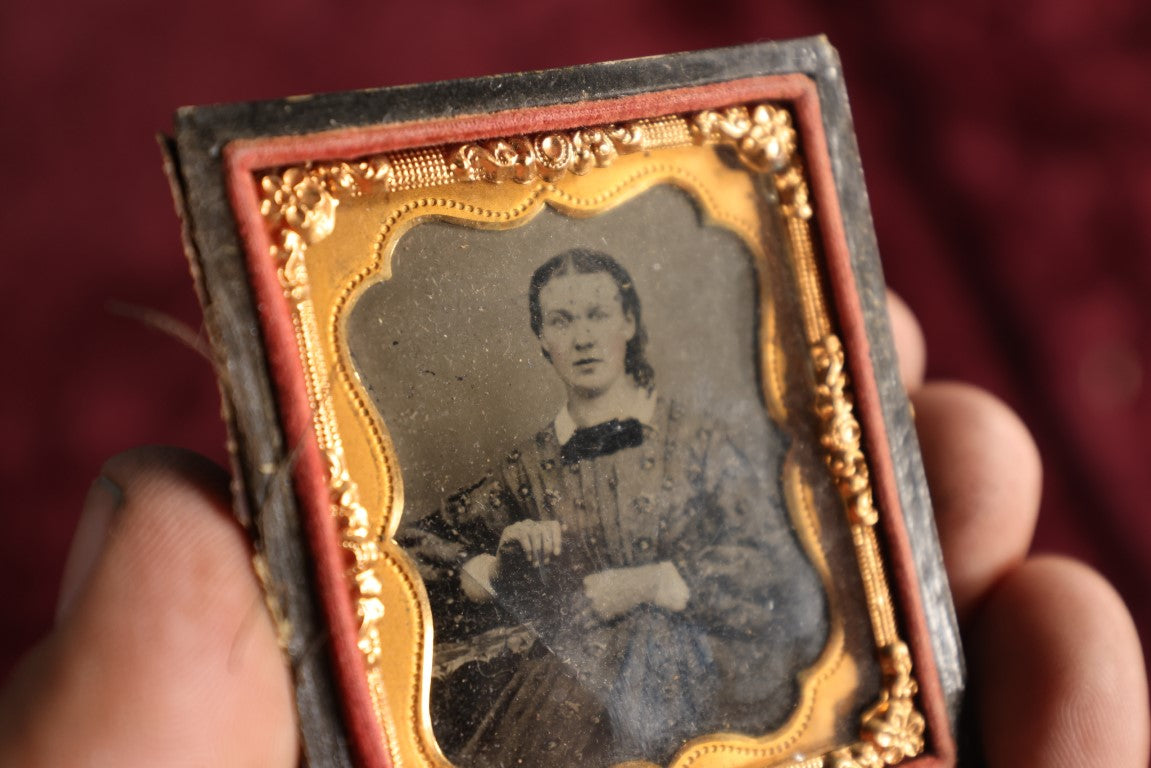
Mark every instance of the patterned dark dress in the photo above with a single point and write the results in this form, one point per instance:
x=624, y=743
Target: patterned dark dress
x=591, y=692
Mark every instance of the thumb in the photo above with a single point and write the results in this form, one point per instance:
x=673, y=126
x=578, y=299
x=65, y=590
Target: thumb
x=163, y=653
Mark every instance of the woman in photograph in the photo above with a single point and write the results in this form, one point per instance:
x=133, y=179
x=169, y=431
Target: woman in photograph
x=648, y=558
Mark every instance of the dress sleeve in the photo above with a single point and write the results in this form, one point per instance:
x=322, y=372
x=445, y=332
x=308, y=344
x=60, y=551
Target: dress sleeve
x=738, y=554
x=468, y=524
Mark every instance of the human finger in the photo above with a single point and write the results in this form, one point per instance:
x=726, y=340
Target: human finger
x=910, y=348
x=557, y=538
x=509, y=536
x=1058, y=674
x=535, y=543
x=528, y=536
x=547, y=535
x=164, y=652
x=518, y=534
x=985, y=475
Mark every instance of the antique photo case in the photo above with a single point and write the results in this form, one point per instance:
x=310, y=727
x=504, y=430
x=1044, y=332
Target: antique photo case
x=566, y=420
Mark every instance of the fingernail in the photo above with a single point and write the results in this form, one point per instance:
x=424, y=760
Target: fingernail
x=104, y=499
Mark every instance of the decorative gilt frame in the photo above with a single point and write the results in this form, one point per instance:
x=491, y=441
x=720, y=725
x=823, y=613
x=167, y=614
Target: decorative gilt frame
x=773, y=125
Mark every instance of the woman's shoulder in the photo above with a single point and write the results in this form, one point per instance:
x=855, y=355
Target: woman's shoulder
x=679, y=416
x=753, y=438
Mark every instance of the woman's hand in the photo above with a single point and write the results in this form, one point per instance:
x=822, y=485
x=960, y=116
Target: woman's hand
x=476, y=578
x=615, y=591
x=539, y=540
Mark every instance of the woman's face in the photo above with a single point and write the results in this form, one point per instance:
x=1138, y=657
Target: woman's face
x=585, y=330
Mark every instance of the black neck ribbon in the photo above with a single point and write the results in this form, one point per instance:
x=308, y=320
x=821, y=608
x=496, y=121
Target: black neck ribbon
x=602, y=439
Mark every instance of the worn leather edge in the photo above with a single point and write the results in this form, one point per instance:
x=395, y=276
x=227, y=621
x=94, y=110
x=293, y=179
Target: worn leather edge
x=856, y=282
x=262, y=469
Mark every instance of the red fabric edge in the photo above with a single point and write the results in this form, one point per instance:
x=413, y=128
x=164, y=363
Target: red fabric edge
x=309, y=470
x=243, y=157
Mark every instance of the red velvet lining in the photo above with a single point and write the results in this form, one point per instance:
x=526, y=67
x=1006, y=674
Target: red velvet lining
x=243, y=157
x=308, y=474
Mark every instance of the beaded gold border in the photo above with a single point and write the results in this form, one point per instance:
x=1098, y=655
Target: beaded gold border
x=299, y=206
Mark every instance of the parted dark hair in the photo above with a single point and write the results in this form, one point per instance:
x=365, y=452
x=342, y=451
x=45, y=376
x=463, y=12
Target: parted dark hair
x=584, y=261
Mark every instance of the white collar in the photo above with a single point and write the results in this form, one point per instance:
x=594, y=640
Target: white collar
x=642, y=410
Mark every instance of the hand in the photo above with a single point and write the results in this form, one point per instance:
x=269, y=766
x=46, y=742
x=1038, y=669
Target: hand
x=671, y=591
x=1056, y=674
x=476, y=578
x=163, y=652
x=540, y=540
x=615, y=591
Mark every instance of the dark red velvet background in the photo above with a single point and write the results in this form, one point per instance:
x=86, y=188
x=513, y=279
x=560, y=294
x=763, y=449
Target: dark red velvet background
x=1006, y=147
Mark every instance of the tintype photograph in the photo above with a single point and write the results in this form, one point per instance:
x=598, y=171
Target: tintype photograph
x=595, y=450
x=593, y=488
